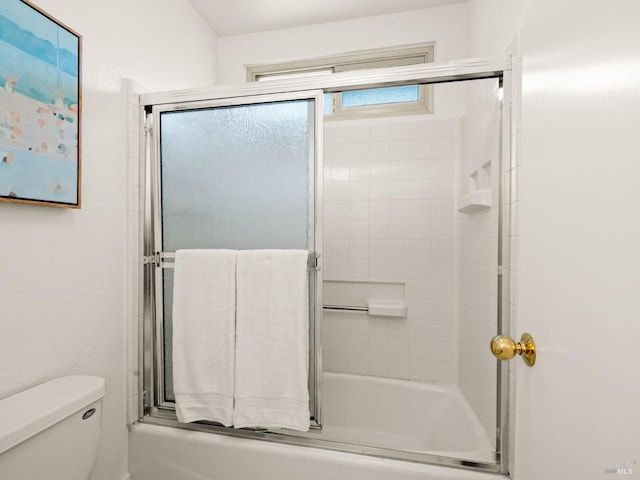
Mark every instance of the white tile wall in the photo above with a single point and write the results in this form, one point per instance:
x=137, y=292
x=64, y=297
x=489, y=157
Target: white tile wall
x=389, y=192
x=133, y=342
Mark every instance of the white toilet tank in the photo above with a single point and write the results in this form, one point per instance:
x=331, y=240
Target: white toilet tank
x=51, y=431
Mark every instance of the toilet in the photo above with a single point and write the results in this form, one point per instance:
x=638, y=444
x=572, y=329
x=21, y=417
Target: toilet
x=52, y=431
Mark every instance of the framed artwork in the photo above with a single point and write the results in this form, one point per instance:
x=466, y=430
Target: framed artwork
x=40, y=100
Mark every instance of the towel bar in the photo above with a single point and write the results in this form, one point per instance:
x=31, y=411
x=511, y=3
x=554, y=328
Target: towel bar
x=374, y=308
x=166, y=260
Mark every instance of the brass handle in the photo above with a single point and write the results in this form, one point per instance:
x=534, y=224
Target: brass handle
x=504, y=348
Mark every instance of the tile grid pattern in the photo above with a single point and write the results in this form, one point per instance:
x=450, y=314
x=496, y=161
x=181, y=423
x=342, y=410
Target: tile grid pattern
x=135, y=179
x=389, y=198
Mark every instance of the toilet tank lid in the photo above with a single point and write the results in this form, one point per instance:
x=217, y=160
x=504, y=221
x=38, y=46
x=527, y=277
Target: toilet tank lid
x=31, y=411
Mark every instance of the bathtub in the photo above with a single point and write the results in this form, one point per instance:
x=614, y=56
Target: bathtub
x=357, y=410
x=402, y=415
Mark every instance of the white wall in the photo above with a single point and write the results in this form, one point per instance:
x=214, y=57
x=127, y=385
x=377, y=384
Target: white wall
x=576, y=257
x=62, y=274
x=492, y=25
x=445, y=25
x=580, y=224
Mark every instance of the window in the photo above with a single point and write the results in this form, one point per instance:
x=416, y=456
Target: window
x=360, y=103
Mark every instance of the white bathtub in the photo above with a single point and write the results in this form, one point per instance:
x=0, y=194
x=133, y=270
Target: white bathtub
x=402, y=415
x=424, y=418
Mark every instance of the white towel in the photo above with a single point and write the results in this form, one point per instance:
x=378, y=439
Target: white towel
x=272, y=340
x=204, y=334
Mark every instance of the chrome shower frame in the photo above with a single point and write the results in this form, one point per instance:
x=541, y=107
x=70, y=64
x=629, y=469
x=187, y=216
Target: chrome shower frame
x=154, y=410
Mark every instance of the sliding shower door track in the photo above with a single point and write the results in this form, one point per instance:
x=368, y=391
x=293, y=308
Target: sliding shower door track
x=167, y=418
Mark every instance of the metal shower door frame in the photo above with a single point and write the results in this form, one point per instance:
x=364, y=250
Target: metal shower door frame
x=464, y=70
x=156, y=259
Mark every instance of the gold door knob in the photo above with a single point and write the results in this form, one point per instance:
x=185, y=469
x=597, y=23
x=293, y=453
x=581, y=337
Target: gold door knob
x=504, y=348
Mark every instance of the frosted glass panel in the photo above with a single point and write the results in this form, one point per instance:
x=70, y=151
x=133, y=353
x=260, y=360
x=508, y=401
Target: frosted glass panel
x=238, y=177
x=380, y=96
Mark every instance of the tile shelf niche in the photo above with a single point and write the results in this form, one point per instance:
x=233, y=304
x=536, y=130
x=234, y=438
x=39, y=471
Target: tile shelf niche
x=479, y=196
x=376, y=297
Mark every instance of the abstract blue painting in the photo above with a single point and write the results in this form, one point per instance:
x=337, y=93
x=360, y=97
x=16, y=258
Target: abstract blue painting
x=40, y=98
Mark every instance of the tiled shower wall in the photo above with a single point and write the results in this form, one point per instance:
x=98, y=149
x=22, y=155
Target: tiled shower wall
x=389, y=214
x=478, y=254
x=135, y=182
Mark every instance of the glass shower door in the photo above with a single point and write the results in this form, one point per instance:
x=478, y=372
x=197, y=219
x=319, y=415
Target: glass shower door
x=420, y=203
x=232, y=175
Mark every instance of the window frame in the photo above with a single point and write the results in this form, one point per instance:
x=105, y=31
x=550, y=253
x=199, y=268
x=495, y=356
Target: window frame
x=350, y=62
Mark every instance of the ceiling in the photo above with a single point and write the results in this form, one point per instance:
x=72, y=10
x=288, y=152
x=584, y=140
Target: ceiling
x=234, y=17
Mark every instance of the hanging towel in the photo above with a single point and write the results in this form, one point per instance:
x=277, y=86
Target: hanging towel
x=204, y=334
x=272, y=340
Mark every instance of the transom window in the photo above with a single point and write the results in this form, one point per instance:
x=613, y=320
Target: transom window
x=360, y=103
